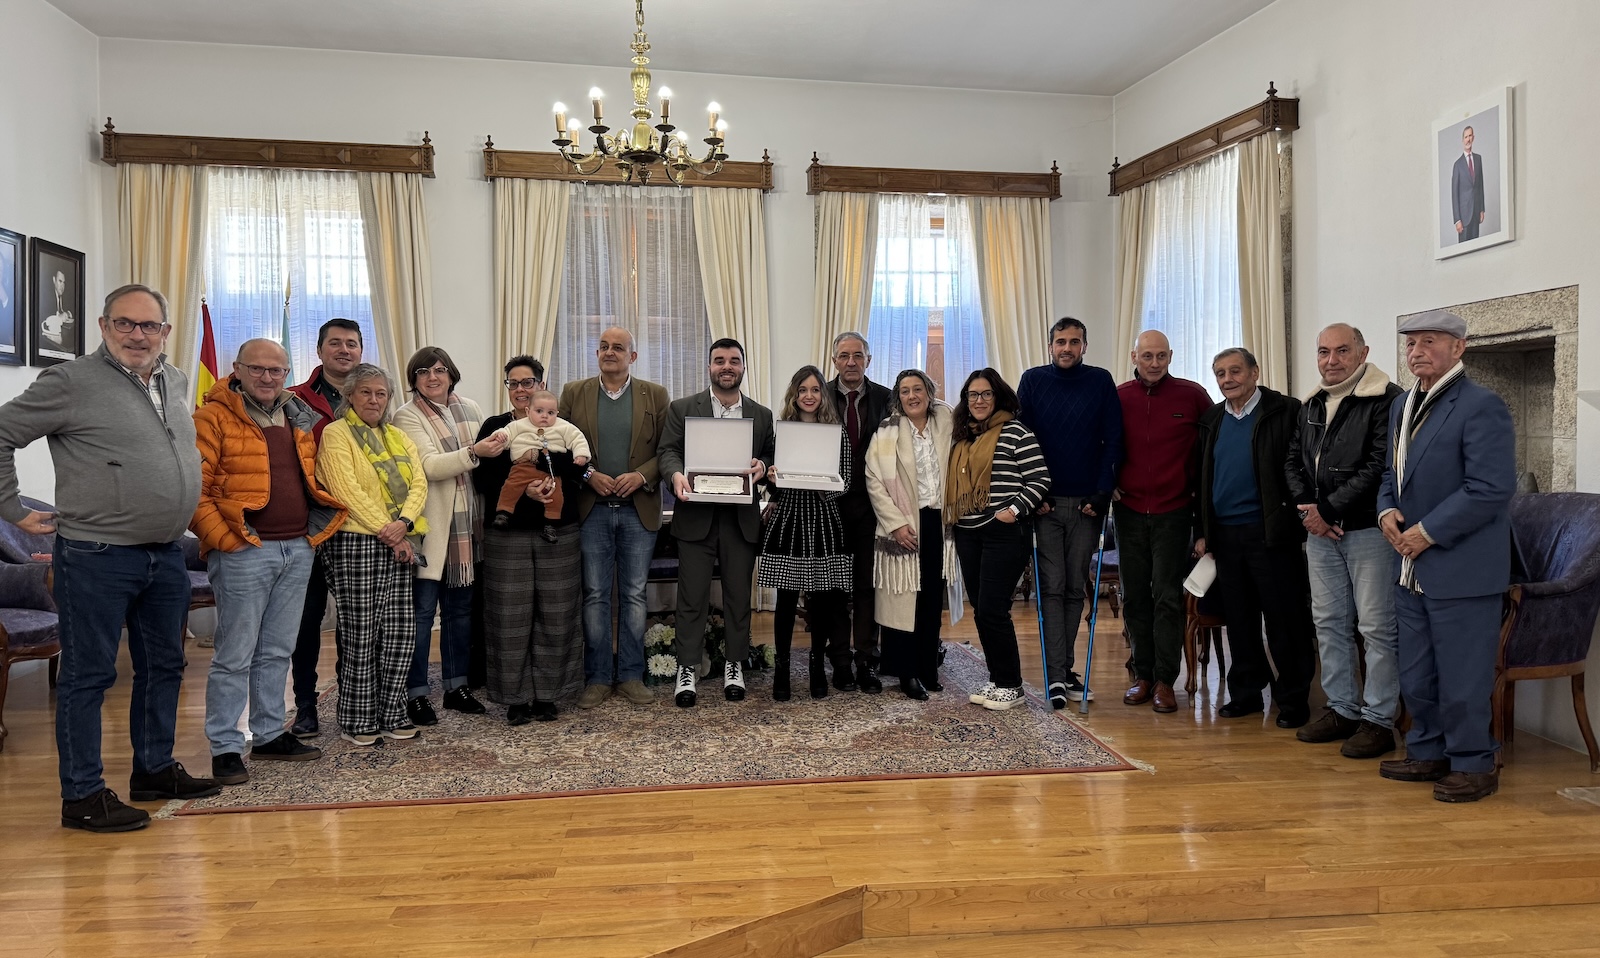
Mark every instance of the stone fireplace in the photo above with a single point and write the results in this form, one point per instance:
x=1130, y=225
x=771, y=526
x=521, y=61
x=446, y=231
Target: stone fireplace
x=1525, y=347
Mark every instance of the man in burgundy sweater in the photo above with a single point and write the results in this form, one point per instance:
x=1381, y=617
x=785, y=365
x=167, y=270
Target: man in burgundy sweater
x=1155, y=513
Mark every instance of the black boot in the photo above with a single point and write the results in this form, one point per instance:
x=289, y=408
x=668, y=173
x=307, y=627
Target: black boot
x=819, y=674
x=780, y=678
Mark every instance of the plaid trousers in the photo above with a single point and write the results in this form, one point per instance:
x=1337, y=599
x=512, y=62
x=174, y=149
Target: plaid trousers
x=377, y=632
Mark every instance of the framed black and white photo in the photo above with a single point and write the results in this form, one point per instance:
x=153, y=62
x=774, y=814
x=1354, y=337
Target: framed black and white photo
x=55, y=320
x=1472, y=177
x=13, y=298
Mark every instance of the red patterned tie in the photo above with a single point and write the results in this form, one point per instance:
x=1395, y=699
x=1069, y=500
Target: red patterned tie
x=852, y=423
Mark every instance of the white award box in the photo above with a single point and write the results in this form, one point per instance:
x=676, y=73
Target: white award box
x=808, y=456
x=716, y=454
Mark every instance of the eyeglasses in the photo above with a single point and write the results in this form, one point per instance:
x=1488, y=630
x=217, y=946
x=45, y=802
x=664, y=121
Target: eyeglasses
x=271, y=372
x=421, y=371
x=976, y=396
x=523, y=383
x=128, y=326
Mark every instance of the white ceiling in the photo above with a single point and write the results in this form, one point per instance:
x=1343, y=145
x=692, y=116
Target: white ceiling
x=1098, y=47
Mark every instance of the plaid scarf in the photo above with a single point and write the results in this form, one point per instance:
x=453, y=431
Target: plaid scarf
x=456, y=428
x=387, y=454
x=1412, y=416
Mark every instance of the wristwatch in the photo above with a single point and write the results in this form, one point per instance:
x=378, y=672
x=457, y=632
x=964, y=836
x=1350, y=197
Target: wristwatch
x=410, y=526
x=587, y=473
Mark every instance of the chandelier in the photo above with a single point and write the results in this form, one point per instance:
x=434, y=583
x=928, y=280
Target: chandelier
x=636, y=151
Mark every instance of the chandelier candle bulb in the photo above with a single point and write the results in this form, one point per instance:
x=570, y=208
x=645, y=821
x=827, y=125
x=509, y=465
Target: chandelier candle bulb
x=595, y=96
x=561, y=119
x=666, y=96
x=713, y=108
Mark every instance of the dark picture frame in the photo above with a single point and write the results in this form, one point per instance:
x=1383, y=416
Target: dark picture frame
x=56, y=322
x=13, y=298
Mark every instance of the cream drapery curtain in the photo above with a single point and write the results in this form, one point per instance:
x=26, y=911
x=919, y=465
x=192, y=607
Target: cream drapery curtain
x=731, y=237
x=530, y=249
x=847, y=241
x=161, y=216
x=399, y=266
x=1132, y=241
x=1261, y=259
x=1013, y=250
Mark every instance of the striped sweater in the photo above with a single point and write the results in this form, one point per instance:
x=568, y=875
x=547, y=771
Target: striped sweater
x=1019, y=476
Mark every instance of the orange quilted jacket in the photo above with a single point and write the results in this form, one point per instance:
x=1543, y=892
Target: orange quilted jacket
x=234, y=473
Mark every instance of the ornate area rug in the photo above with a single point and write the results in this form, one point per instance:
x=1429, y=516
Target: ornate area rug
x=621, y=747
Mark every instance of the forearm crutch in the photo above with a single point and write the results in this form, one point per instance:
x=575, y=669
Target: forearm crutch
x=1094, y=617
x=1038, y=606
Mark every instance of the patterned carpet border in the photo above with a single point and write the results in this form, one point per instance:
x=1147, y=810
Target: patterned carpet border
x=844, y=738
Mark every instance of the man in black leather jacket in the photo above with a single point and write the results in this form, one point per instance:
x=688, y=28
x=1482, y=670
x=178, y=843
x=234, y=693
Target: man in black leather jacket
x=1334, y=468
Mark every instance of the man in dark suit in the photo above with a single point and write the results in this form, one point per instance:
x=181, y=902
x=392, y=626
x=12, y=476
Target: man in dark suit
x=1445, y=506
x=1466, y=190
x=619, y=508
x=709, y=533
x=862, y=405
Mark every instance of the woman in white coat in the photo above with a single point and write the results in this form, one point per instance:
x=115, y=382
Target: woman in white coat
x=915, y=556
x=444, y=427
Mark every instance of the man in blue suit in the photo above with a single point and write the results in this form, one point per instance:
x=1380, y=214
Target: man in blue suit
x=1466, y=190
x=1445, y=507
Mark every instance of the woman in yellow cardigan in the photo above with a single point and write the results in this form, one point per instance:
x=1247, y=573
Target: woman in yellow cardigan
x=373, y=468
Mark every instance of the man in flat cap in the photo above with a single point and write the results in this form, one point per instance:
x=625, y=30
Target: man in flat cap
x=1445, y=507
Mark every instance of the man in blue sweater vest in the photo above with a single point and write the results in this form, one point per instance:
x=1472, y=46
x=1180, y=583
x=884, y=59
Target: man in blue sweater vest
x=1074, y=411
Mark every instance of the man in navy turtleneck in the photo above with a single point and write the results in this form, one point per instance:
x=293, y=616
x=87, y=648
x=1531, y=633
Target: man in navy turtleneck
x=1074, y=411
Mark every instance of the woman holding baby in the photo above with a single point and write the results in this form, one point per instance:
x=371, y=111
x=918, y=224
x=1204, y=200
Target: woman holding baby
x=532, y=560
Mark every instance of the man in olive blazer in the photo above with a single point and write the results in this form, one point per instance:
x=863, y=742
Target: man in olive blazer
x=619, y=508
x=709, y=533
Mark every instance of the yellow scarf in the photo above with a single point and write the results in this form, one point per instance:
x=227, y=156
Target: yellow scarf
x=966, y=489
x=388, y=457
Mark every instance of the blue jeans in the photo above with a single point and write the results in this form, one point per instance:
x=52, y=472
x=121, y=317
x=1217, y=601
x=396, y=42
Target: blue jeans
x=260, y=593
x=614, y=540
x=455, y=634
x=98, y=588
x=1352, y=585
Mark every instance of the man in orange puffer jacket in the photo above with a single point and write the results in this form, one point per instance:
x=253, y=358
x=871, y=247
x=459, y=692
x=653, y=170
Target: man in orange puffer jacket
x=260, y=518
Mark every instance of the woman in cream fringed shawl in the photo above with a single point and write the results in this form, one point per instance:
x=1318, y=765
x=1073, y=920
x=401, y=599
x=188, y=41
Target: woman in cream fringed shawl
x=915, y=556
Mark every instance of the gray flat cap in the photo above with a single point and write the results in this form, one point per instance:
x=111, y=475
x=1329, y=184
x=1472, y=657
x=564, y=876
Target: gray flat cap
x=1435, y=321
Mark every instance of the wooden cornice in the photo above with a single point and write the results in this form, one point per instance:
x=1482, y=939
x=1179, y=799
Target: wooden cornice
x=1273, y=113
x=529, y=165
x=273, y=154
x=881, y=179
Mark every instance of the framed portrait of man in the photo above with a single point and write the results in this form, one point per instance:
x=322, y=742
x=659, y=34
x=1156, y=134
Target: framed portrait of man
x=13, y=298
x=55, y=319
x=1472, y=177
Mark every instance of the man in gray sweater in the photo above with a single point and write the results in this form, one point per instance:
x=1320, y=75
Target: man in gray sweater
x=127, y=483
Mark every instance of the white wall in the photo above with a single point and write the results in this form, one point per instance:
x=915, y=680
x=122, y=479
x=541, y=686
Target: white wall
x=49, y=181
x=221, y=90
x=1372, y=76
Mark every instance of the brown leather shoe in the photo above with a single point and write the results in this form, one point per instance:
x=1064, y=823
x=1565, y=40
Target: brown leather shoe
x=1165, y=699
x=1414, y=769
x=1330, y=726
x=1370, y=741
x=1466, y=786
x=1139, y=692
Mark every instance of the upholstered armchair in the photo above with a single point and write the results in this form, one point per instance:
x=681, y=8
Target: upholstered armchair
x=27, y=623
x=18, y=546
x=1551, y=613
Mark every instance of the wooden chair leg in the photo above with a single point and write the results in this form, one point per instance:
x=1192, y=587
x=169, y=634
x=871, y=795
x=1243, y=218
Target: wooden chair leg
x=1582, y=709
x=53, y=669
x=1509, y=711
x=5, y=680
x=1191, y=656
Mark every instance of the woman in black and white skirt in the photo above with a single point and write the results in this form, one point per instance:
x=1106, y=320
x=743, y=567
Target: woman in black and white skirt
x=803, y=549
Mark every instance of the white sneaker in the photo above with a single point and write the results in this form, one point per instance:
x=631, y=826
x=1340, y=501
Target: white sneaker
x=400, y=734
x=733, y=682
x=978, y=697
x=363, y=739
x=1058, y=695
x=998, y=699
x=1075, y=688
x=685, y=694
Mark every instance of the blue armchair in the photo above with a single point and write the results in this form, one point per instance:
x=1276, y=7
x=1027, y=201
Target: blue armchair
x=27, y=623
x=1551, y=610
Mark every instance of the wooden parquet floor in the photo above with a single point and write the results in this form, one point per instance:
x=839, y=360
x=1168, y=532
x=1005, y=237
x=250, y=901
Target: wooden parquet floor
x=1237, y=840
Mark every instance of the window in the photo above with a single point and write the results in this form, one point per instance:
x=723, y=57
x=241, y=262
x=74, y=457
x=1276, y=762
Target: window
x=285, y=253
x=1191, y=283
x=926, y=311
x=632, y=262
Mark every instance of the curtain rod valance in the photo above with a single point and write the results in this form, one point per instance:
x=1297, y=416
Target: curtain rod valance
x=1273, y=113
x=529, y=165
x=882, y=179
x=273, y=154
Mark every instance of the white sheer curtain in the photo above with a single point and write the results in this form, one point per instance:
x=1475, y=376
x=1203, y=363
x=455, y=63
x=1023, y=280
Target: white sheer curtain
x=1191, y=280
x=631, y=262
x=926, y=305
x=276, y=235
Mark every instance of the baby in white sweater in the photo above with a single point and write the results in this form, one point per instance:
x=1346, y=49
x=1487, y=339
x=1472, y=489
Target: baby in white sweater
x=530, y=442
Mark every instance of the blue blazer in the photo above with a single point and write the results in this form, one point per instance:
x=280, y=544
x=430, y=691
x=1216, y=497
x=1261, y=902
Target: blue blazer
x=1461, y=471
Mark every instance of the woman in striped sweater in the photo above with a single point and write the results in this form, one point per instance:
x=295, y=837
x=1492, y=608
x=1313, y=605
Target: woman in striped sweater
x=996, y=480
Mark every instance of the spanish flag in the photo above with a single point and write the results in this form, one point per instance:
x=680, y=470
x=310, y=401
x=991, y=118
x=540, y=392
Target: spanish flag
x=206, y=376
